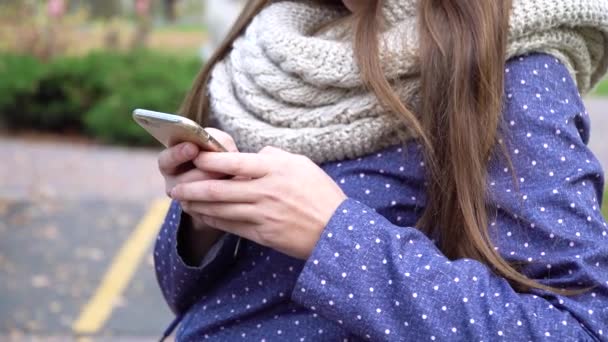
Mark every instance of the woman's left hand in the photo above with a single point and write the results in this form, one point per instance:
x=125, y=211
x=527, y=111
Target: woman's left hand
x=277, y=199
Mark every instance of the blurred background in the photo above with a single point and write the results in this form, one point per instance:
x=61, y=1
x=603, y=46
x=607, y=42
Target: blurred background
x=80, y=196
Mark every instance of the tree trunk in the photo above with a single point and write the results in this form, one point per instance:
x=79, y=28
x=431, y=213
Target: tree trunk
x=105, y=9
x=170, y=10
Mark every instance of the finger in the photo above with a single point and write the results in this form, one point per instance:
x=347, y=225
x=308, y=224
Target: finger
x=250, y=165
x=244, y=212
x=244, y=229
x=223, y=138
x=194, y=175
x=236, y=191
x=171, y=158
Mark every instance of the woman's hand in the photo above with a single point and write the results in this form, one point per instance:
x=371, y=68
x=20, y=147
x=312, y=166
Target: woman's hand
x=176, y=163
x=279, y=200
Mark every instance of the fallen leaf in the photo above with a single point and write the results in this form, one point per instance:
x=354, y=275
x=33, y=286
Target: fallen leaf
x=49, y=232
x=3, y=207
x=90, y=253
x=40, y=280
x=55, y=307
x=32, y=325
x=120, y=302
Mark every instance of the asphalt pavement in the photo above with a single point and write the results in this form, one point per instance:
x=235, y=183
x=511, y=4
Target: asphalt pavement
x=598, y=142
x=66, y=211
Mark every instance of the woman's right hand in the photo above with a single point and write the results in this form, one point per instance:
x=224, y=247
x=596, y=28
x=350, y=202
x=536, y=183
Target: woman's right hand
x=176, y=166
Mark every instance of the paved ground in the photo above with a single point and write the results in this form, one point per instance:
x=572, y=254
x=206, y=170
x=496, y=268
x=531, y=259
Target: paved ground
x=53, y=256
x=41, y=170
x=65, y=212
x=598, y=110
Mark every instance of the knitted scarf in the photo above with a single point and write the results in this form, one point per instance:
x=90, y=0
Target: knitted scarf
x=284, y=85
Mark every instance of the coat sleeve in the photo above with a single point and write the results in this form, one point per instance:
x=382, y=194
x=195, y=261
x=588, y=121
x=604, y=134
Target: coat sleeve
x=182, y=284
x=385, y=282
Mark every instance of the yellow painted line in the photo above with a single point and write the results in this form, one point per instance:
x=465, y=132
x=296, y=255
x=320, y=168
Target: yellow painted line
x=96, y=312
x=84, y=339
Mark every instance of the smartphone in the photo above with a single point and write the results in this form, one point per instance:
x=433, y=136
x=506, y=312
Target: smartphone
x=171, y=130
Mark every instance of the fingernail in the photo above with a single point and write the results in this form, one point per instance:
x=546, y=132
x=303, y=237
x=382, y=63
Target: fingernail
x=189, y=150
x=172, y=193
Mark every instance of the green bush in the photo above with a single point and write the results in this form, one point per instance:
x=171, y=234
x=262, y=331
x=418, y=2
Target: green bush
x=605, y=204
x=64, y=94
x=602, y=88
x=58, y=94
x=153, y=82
x=19, y=82
x=93, y=94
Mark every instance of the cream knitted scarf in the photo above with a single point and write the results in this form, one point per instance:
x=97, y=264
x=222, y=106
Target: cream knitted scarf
x=283, y=85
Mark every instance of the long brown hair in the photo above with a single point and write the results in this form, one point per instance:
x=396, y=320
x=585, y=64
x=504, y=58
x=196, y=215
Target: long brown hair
x=462, y=61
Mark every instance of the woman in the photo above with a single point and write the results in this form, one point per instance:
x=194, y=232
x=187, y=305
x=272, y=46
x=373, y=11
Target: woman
x=419, y=188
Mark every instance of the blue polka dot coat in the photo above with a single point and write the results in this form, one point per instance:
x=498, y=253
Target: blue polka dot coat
x=372, y=276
